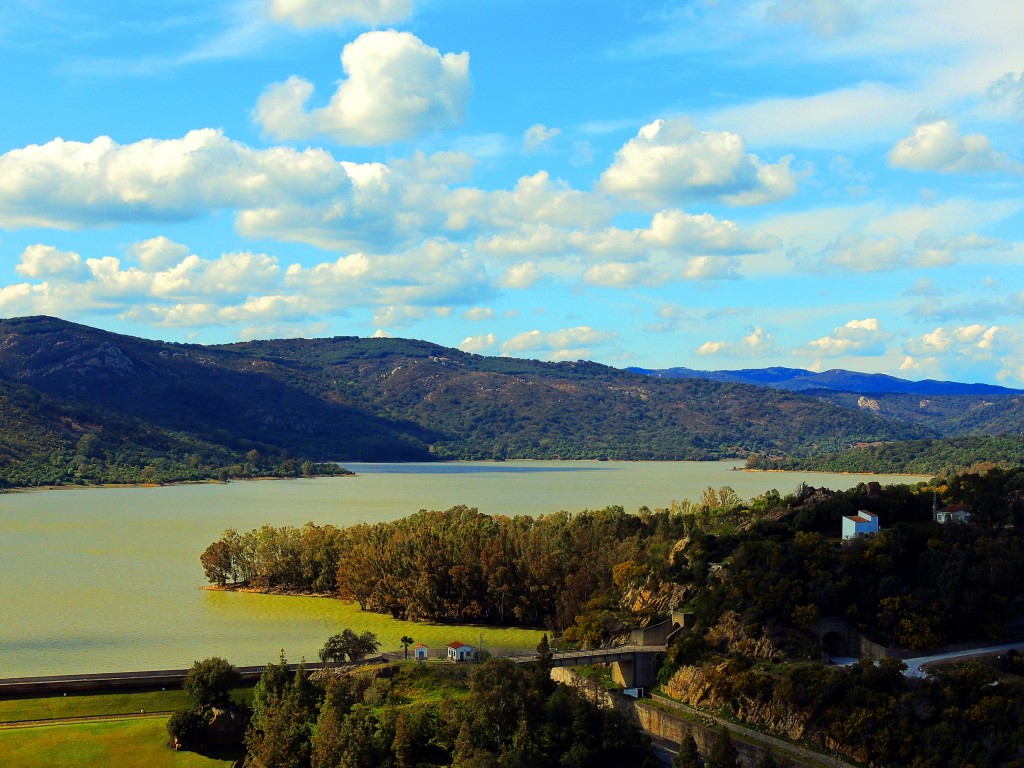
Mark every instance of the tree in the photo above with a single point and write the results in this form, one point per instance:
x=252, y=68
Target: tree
x=217, y=563
x=723, y=752
x=210, y=681
x=544, y=653
x=406, y=641
x=281, y=740
x=187, y=727
x=348, y=644
x=687, y=756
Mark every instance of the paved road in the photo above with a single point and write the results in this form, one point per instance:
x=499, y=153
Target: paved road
x=917, y=667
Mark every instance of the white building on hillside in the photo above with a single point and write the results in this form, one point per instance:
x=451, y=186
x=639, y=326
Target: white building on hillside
x=864, y=523
x=460, y=651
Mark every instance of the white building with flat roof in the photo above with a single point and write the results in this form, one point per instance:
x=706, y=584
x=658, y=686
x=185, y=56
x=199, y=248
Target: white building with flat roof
x=864, y=523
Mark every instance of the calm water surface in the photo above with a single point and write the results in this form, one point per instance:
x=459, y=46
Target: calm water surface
x=108, y=579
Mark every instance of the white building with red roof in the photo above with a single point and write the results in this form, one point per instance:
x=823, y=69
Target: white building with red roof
x=460, y=651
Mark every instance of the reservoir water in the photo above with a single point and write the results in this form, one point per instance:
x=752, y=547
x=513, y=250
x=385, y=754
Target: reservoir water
x=108, y=579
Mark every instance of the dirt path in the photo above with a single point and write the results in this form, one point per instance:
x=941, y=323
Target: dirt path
x=84, y=719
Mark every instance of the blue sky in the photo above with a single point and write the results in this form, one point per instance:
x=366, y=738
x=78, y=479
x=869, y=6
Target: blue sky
x=808, y=183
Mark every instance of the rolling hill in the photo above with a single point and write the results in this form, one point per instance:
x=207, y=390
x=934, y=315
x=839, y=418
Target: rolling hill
x=347, y=398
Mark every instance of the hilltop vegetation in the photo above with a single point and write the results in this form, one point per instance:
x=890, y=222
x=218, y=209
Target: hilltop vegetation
x=915, y=457
x=490, y=714
x=173, y=411
x=48, y=442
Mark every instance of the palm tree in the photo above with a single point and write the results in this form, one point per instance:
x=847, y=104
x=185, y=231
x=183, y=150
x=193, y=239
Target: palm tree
x=406, y=641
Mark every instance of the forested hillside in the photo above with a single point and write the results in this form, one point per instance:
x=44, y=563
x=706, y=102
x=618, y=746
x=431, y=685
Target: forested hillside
x=916, y=457
x=753, y=578
x=350, y=399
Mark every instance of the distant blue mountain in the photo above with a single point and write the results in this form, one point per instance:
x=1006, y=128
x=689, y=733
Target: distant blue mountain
x=799, y=380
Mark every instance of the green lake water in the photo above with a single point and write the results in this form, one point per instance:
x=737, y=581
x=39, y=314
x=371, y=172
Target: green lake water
x=108, y=579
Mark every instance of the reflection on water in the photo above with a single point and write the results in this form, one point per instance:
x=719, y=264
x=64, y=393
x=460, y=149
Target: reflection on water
x=107, y=579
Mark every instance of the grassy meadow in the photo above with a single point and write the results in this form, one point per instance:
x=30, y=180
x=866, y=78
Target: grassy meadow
x=125, y=743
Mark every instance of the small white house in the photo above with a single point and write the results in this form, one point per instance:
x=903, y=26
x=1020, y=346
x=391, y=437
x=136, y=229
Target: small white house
x=421, y=652
x=958, y=513
x=864, y=523
x=460, y=651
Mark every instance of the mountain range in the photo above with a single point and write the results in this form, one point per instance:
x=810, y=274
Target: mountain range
x=140, y=402
x=801, y=380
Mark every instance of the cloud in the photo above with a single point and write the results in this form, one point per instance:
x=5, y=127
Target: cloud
x=973, y=340
x=68, y=184
x=536, y=136
x=306, y=14
x=564, y=344
x=157, y=253
x=615, y=274
x=44, y=261
x=670, y=161
x=825, y=18
x=858, y=337
x=676, y=245
x=476, y=314
x=1009, y=88
x=923, y=287
x=939, y=146
x=756, y=343
x=520, y=276
x=477, y=344
x=245, y=287
x=396, y=88
x=857, y=252
x=709, y=268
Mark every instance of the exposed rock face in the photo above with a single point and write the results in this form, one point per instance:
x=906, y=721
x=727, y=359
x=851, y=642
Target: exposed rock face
x=730, y=634
x=696, y=686
x=706, y=687
x=654, y=603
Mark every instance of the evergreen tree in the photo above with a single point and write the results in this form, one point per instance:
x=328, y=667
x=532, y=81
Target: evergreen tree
x=270, y=688
x=723, y=752
x=281, y=742
x=687, y=756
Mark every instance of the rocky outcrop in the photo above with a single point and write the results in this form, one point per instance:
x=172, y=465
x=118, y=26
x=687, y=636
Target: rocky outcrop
x=730, y=635
x=697, y=686
x=654, y=603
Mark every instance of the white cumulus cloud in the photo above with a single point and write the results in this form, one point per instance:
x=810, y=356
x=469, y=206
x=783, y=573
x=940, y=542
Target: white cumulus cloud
x=476, y=344
x=756, y=343
x=44, y=261
x=864, y=337
x=396, y=88
x=670, y=161
x=564, y=344
x=939, y=146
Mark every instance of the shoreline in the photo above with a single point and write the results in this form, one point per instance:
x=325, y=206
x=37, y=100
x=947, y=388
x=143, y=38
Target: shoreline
x=278, y=591
x=172, y=484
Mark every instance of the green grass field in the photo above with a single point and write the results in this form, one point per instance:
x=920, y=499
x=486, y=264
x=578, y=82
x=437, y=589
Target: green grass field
x=124, y=743
x=88, y=704
x=82, y=705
